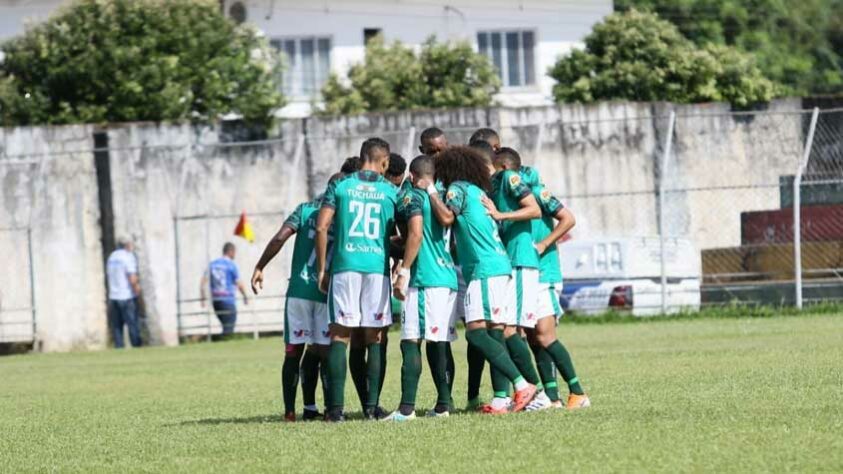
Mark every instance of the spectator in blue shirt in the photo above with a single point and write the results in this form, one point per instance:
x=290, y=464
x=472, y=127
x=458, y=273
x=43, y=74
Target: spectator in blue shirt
x=223, y=278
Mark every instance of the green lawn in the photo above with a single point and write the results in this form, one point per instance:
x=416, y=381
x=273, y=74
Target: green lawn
x=689, y=395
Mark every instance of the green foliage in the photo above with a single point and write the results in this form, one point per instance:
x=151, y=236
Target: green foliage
x=797, y=43
x=394, y=77
x=637, y=56
x=133, y=60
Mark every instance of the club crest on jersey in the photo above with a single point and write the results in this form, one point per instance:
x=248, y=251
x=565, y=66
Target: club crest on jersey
x=514, y=180
x=545, y=195
x=450, y=195
x=407, y=199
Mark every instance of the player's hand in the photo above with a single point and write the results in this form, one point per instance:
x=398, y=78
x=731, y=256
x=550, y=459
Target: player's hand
x=422, y=183
x=257, y=281
x=323, y=282
x=490, y=208
x=399, y=288
x=540, y=247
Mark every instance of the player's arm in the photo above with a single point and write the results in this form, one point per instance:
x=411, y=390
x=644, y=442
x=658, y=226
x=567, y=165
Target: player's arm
x=323, y=224
x=274, y=246
x=442, y=213
x=565, y=221
x=528, y=209
x=411, y=251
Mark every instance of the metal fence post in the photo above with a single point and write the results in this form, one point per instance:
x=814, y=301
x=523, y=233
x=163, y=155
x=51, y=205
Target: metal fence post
x=32, y=289
x=662, y=172
x=208, y=269
x=797, y=207
x=408, y=151
x=178, y=278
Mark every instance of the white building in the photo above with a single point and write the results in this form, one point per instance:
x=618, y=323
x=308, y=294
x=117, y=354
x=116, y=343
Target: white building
x=523, y=38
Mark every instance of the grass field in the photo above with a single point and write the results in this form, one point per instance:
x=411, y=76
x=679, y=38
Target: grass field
x=755, y=394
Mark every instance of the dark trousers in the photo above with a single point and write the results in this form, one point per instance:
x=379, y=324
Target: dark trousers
x=227, y=314
x=124, y=313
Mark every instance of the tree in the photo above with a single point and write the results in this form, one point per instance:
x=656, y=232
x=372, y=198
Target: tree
x=797, y=43
x=98, y=61
x=637, y=56
x=395, y=77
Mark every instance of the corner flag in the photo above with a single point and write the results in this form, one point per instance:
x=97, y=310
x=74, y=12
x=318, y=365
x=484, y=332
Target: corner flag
x=244, y=229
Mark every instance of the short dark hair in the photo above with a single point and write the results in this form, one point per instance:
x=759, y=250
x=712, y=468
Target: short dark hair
x=335, y=177
x=397, y=165
x=485, y=150
x=422, y=165
x=227, y=247
x=484, y=134
x=351, y=164
x=462, y=163
x=370, y=145
x=431, y=133
x=509, y=157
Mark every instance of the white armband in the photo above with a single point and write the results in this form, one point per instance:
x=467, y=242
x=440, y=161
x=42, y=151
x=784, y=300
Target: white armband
x=431, y=189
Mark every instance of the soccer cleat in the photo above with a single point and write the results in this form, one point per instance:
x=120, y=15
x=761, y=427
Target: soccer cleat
x=334, y=416
x=434, y=414
x=310, y=415
x=523, y=397
x=557, y=404
x=540, y=402
x=488, y=409
x=290, y=416
x=397, y=416
x=476, y=404
x=575, y=402
x=377, y=413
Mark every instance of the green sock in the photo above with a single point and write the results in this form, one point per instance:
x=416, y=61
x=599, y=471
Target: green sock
x=290, y=379
x=437, y=359
x=547, y=372
x=495, y=353
x=563, y=362
x=411, y=369
x=373, y=374
x=476, y=364
x=384, y=358
x=336, y=374
x=357, y=366
x=520, y=353
x=309, y=377
x=452, y=367
x=500, y=382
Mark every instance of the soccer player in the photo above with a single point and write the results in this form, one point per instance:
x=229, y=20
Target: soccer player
x=361, y=207
x=514, y=206
x=305, y=310
x=427, y=284
x=549, y=351
x=395, y=173
x=485, y=266
x=433, y=141
x=486, y=135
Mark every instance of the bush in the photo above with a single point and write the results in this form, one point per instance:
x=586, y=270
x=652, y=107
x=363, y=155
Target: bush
x=100, y=61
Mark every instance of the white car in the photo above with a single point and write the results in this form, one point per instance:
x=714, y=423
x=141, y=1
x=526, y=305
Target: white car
x=625, y=274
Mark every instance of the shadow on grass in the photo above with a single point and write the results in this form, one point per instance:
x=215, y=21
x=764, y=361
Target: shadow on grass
x=260, y=419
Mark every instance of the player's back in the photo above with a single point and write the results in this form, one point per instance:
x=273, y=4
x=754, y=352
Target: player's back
x=549, y=267
x=479, y=247
x=507, y=191
x=303, y=276
x=364, y=205
x=433, y=266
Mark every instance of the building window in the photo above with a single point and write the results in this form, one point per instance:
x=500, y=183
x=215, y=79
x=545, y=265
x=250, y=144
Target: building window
x=512, y=53
x=369, y=33
x=307, y=64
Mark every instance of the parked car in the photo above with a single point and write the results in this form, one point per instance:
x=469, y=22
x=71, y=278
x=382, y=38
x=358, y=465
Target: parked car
x=625, y=274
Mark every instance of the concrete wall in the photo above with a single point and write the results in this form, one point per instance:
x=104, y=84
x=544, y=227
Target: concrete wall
x=48, y=184
x=603, y=160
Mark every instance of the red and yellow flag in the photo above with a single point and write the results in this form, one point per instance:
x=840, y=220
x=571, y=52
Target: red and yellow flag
x=244, y=229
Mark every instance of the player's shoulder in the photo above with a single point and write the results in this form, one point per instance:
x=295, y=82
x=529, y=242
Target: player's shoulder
x=530, y=176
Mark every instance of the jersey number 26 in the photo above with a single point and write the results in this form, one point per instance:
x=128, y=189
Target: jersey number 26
x=366, y=221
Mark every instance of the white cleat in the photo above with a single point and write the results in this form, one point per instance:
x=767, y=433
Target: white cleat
x=397, y=416
x=540, y=402
x=433, y=414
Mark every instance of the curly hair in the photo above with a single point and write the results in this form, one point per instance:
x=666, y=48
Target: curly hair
x=462, y=163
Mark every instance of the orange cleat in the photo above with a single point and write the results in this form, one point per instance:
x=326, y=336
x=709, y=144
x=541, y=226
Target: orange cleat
x=523, y=397
x=575, y=402
x=488, y=409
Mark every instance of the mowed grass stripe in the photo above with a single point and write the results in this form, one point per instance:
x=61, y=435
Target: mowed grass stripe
x=681, y=395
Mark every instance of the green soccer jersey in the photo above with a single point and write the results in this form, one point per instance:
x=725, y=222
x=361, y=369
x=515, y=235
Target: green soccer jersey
x=507, y=191
x=481, y=252
x=433, y=266
x=303, y=277
x=549, y=268
x=530, y=176
x=364, y=205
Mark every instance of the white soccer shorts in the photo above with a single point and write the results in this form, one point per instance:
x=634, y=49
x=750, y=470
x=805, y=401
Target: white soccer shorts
x=548, y=302
x=360, y=300
x=429, y=315
x=486, y=299
x=306, y=322
x=459, y=304
x=524, y=293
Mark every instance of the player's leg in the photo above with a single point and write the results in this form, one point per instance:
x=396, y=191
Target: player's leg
x=412, y=330
x=484, y=305
x=315, y=368
x=475, y=359
x=439, y=331
x=523, y=295
x=296, y=329
x=344, y=314
x=546, y=336
x=357, y=364
x=376, y=316
x=545, y=366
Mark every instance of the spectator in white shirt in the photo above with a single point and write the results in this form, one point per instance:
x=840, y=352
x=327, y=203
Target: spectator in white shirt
x=123, y=290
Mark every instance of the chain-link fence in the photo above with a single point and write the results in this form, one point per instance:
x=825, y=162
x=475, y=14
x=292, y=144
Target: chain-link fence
x=17, y=297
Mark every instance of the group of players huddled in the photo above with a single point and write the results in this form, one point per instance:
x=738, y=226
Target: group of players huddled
x=469, y=235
